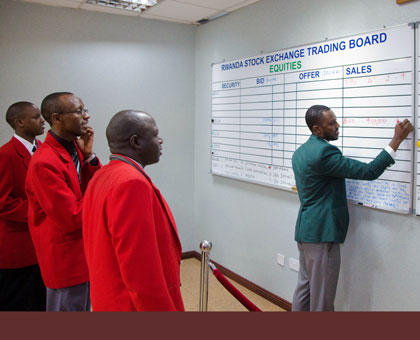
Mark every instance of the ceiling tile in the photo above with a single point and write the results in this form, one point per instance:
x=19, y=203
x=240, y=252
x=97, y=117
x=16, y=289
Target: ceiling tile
x=241, y=4
x=180, y=11
x=156, y=17
x=215, y=4
x=58, y=3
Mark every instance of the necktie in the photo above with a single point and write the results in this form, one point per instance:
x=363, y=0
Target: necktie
x=34, y=149
x=76, y=162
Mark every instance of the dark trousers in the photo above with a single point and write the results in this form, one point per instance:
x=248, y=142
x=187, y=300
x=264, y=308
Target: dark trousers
x=69, y=299
x=22, y=289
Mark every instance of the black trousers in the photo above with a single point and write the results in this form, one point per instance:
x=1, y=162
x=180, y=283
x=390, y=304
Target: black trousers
x=69, y=299
x=22, y=289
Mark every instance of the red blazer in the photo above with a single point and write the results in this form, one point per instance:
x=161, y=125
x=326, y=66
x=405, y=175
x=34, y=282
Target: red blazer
x=131, y=242
x=55, y=213
x=16, y=248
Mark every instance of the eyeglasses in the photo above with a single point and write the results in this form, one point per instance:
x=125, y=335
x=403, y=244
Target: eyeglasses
x=80, y=112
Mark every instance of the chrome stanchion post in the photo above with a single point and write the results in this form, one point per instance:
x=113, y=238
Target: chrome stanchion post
x=205, y=247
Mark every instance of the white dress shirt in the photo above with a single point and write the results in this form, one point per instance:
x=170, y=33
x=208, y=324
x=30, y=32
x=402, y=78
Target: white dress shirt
x=28, y=145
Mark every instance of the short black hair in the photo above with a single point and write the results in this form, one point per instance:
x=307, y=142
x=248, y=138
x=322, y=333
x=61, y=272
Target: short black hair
x=15, y=111
x=51, y=104
x=314, y=115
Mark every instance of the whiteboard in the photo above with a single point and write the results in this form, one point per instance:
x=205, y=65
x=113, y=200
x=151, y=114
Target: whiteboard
x=417, y=147
x=259, y=104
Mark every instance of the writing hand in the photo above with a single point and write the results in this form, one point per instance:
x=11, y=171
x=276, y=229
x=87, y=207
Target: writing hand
x=402, y=130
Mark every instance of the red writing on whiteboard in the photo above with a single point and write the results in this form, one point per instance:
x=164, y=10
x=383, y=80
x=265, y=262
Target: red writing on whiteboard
x=365, y=121
x=376, y=121
x=348, y=121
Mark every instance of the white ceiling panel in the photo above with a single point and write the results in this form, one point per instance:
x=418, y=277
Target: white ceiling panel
x=157, y=17
x=181, y=11
x=58, y=3
x=241, y=4
x=215, y=4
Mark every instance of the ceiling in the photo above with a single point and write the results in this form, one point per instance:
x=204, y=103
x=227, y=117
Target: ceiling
x=181, y=11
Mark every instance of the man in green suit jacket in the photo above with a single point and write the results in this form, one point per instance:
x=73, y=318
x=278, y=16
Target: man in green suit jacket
x=320, y=170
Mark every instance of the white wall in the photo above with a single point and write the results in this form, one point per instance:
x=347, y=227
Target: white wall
x=116, y=62
x=112, y=62
x=249, y=224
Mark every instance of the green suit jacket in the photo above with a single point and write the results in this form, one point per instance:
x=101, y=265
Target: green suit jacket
x=320, y=170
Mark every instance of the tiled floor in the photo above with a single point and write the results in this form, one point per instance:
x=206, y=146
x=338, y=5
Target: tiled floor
x=219, y=298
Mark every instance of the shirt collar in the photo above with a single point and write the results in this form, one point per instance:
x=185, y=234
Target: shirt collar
x=135, y=162
x=28, y=145
x=69, y=146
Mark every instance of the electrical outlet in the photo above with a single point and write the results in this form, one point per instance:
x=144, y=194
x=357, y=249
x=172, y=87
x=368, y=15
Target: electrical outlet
x=294, y=264
x=280, y=259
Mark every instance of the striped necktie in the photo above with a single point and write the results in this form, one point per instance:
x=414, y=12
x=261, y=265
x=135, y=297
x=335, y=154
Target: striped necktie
x=76, y=162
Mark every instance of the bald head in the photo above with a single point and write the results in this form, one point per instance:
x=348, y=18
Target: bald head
x=134, y=134
x=123, y=125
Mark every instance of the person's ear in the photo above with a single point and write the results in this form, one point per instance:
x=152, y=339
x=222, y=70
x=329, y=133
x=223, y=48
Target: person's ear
x=55, y=118
x=316, y=130
x=135, y=142
x=18, y=123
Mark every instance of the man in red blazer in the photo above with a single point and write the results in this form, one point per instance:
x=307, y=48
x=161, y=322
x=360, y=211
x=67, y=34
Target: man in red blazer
x=21, y=286
x=131, y=241
x=57, y=177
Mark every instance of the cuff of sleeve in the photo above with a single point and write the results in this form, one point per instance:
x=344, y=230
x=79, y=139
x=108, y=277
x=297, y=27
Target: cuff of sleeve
x=88, y=160
x=391, y=152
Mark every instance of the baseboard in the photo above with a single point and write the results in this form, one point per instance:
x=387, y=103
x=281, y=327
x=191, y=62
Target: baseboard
x=190, y=254
x=286, y=305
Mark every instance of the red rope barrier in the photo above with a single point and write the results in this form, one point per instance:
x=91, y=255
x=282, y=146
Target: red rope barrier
x=232, y=289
